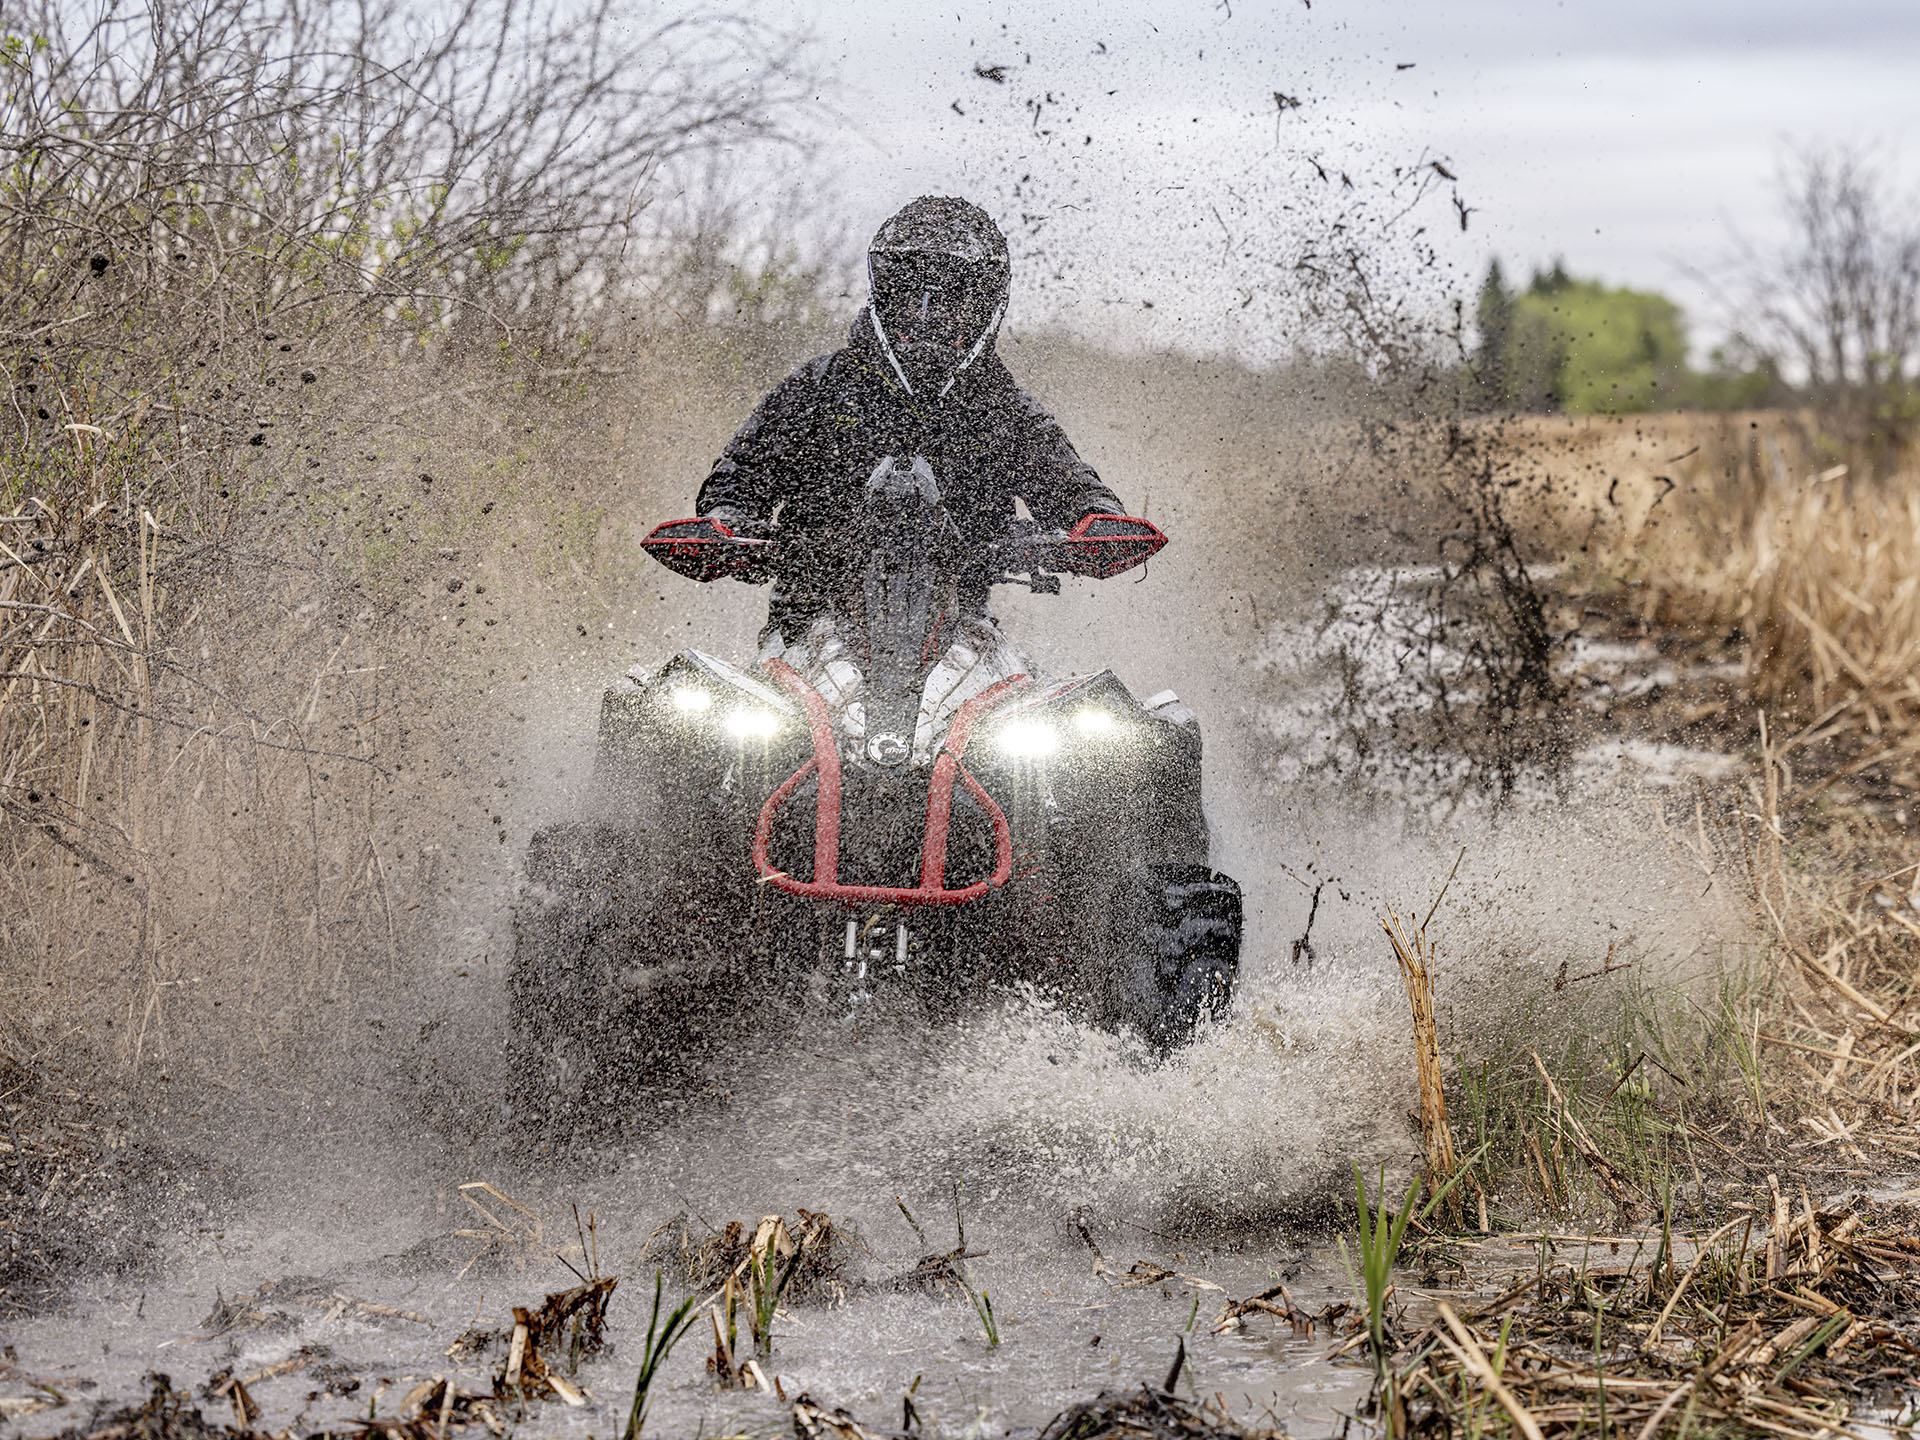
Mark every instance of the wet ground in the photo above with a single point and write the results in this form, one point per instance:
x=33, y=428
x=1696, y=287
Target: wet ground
x=1644, y=705
x=1066, y=1334
x=1048, y=1126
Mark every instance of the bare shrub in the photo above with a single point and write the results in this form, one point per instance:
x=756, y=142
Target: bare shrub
x=1837, y=307
x=242, y=240
x=262, y=161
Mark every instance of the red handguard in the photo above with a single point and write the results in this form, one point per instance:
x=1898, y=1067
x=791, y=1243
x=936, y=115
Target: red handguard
x=703, y=549
x=1103, y=545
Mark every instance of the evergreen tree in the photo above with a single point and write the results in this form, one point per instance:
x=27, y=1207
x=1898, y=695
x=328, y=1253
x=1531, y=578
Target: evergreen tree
x=1494, y=316
x=1551, y=282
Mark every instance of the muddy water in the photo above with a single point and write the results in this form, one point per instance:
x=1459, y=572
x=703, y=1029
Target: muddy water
x=1066, y=1334
x=873, y=1117
x=1222, y=1166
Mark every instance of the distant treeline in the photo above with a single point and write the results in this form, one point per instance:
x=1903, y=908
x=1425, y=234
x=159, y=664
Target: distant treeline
x=1579, y=347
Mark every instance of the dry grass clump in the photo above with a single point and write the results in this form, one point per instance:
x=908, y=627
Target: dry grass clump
x=1829, y=588
x=704, y=1260
x=1786, y=1320
x=1700, y=525
x=1842, y=1031
x=568, y=1325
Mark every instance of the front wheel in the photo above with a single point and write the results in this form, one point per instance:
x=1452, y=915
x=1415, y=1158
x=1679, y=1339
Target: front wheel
x=630, y=975
x=573, y=924
x=1175, y=941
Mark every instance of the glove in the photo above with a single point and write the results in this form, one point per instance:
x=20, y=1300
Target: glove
x=747, y=527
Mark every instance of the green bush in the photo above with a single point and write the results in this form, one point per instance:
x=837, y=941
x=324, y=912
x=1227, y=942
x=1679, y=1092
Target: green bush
x=1580, y=347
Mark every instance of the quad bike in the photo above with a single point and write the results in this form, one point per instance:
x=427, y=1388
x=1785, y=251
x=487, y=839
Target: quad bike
x=892, y=801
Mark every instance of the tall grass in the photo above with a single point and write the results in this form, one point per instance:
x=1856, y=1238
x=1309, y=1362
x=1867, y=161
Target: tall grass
x=1634, y=1067
x=1829, y=595
x=1715, y=525
x=278, y=288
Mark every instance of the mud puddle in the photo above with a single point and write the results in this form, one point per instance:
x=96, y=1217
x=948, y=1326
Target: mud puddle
x=321, y=1344
x=1375, y=634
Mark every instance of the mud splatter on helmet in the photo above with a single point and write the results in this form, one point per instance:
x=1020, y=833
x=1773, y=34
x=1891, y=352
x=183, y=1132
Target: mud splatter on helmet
x=937, y=274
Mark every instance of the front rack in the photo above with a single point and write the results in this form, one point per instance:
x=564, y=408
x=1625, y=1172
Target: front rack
x=825, y=762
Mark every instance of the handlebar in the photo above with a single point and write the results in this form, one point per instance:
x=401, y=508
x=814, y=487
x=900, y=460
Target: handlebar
x=1099, y=547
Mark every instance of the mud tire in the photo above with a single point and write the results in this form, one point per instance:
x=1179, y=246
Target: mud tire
x=1176, y=939
x=629, y=977
x=576, y=916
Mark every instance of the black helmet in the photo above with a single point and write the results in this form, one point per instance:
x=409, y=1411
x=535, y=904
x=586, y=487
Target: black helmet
x=937, y=273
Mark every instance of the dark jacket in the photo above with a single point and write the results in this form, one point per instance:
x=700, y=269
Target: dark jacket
x=806, y=452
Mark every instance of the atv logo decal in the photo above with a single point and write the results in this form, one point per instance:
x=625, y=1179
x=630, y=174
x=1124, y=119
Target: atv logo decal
x=887, y=749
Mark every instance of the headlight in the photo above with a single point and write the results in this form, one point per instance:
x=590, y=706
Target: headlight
x=689, y=700
x=1094, y=721
x=752, y=724
x=1029, y=739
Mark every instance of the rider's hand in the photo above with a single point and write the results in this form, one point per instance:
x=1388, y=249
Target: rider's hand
x=746, y=527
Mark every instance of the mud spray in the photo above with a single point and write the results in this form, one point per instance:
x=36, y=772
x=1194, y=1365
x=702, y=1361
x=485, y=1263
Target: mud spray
x=1058, y=1143
x=1065, y=1152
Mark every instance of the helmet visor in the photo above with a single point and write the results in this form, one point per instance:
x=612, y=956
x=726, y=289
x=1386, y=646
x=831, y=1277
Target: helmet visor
x=931, y=302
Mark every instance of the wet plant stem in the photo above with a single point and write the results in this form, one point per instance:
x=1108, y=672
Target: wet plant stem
x=983, y=1307
x=1599, y=1368
x=1382, y=1231
x=766, y=1291
x=1666, y=1236
x=982, y=1302
x=659, y=1344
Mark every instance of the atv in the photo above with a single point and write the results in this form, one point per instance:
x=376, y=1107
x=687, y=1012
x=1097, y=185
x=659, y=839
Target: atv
x=891, y=802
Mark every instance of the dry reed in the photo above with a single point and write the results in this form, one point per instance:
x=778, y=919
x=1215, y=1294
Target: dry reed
x=1697, y=526
x=1414, y=954
x=1830, y=589
x=218, y=543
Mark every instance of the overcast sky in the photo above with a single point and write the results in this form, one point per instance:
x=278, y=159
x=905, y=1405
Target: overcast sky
x=1138, y=149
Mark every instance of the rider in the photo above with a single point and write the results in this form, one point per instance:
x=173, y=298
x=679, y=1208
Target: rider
x=918, y=377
